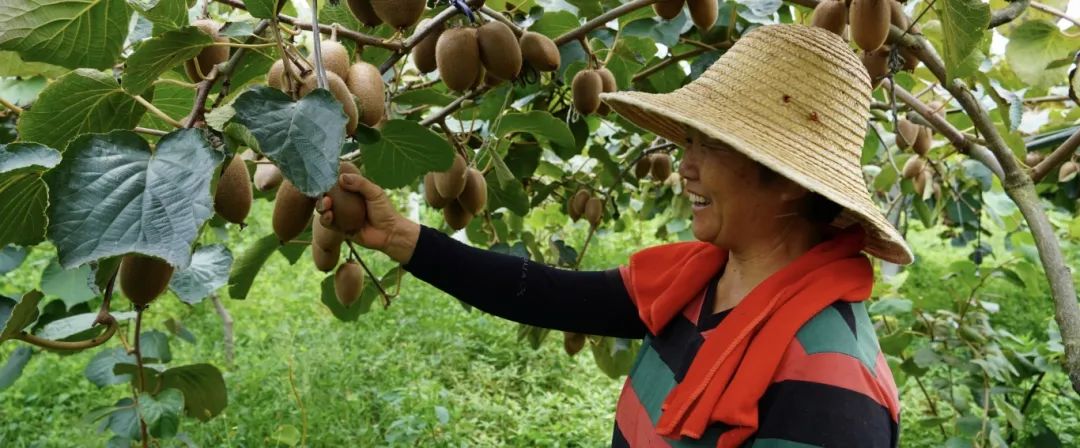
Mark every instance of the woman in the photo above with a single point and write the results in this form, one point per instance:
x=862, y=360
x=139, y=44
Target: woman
x=756, y=334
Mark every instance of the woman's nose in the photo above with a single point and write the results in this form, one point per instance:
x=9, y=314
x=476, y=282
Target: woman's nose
x=688, y=166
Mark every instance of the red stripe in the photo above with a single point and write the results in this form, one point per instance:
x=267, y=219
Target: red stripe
x=634, y=422
x=884, y=375
x=840, y=370
x=692, y=310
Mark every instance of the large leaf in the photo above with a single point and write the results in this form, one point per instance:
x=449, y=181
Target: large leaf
x=614, y=356
x=159, y=54
x=1033, y=46
x=113, y=196
x=161, y=412
x=175, y=101
x=209, y=270
x=243, y=272
x=83, y=101
x=70, y=33
x=406, y=151
x=303, y=138
x=70, y=285
x=553, y=24
x=22, y=92
x=265, y=9
x=165, y=14
x=154, y=346
x=963, y=24
x=11, y=64
x=14, y=365
x=14, y=317
x=100, y=369
x=541, y=124
x=78, y=327
x=23, y=195
x=203, y=387
x=510, y=195
x=11, y=257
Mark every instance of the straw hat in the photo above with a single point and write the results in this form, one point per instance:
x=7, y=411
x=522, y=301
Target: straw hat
x=794, y=98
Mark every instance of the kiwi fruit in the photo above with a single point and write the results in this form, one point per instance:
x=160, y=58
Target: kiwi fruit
x=923, y=141
x=362, y=10
x=869, y=20
x=499, y=50
x=1067, y=172
x=324, y=237
x=668, y=9
x=348, y=283
x=661, y=166
x=143, y=278
x=574, y=342
x=366, y=84
x=267, y=176
x=450, y=183
x=703, y=13
x=586, y=88
x=577, y=204
x=877, y=64
x=474, y=197
x=594, y=211
x=607, y=85
x=643, y=167
x=913, y=167
x=456, y=216
x=539, y=51
x=340, y=90
x=831, y=15
x=897, y=17
x=325, y=259
x=911, y=59
x=350, y=209
x=210, y=55
x=920, y=181
x=292, y=211
x=423, y=54
x=906, y=133
x=335, y=58
x=1033, y=158
x=399, y=13
x=431, y=195
x=232, y=199
x=457, y=54
x=273, y=76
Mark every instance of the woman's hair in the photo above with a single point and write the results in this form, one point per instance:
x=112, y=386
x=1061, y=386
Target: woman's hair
x=814, y=208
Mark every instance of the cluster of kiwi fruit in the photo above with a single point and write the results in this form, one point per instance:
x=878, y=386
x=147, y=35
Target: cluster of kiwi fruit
x=326, y=243
x=460, y=192
x=702, y=12
x=584, y=205
x=1066, y=172
x=919, y=139
x=200, y=67
x=467, y=57
x=396, y=13
x=658, y=164
x=869, y=20
x=586, y=88
x=357, y=86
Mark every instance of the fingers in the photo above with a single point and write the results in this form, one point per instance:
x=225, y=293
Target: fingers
x=324, y=205
x=327, y=219
x=360, y=184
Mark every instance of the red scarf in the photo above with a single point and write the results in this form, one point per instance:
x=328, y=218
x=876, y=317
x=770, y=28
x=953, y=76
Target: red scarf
x=738, y=360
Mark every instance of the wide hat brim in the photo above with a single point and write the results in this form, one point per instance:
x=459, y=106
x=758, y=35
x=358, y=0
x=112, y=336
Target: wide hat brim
x=793, y=98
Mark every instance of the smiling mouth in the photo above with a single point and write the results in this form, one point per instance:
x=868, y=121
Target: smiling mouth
x=697, y=200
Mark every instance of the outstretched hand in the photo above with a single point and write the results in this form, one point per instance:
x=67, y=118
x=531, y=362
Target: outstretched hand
x=384, y=228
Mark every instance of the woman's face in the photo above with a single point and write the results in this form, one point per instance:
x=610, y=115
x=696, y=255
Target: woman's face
x=731, y=205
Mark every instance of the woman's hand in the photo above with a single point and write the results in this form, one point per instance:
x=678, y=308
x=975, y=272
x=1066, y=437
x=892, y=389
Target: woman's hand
x=385, y=229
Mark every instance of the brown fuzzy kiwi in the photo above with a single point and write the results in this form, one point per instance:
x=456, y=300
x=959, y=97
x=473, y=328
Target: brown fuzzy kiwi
x=348, y=283
x=324, y=237
x=906, y=133
x=267, y=176
x=586, y=88
x=539, y=51
x=340, y=91
x=608, y=85
x=1068, y=171
x=643, y=167
x=1033, y=158
x=474, y=197
x=362, y=10
x=292, y=212
x=576, y=207
x=499, y=50
x=923, y=141
x=423, y=54
x=350, y=209
x=457, y=54
x=573, y=342
x=210, y=55
x=456, y=216
x=431, y=195
x=450, y=183
x=877, y=64
x=831, y=15
x=668, y=9
x=273, y=76
x=366, y=84
x=703, y=13
x=911, y=59
x=913, y=167
x=594, y=211
x=920, y=182
x=399, y=13
x=661, y=166
x=143, y=278
x=325, y=259
x=335, y=58
x=232, y=199
x=897, y=17
x=869, y=20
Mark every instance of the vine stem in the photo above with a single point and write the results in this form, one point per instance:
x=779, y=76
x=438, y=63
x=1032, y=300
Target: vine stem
x=1057, y=157
x=320, y=71
x=177, y=82
x=150, y=131
x=1054, y=12
x=139, y=365
x=360, y=38
x=220, y=71
x=585, y=247
x=236, y=45
x=299, y=404
x=154, y=110
x=226, y=329
x=518, y=31
x=18, y=110
x=374, y=279
x=600, y=20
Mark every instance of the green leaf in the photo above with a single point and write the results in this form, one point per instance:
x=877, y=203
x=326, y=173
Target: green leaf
x=554, y=24
x=421, y=97
x=244, y=270
x=209, y=270
x=11, y=64
x=1033, y=46
x=963, y=24
x=541, y=124
x=100, y=369
x=175, y=101
x=614, y=356
x=11, y=257
x=77, y=327
x=166, y=15
x=406, y=151
x=510, y=195
x=14, y=317
x=303, y=138
x=161, y=412
x=264, y=9
x=159, y=54
x=203, y=387
x=14, y=365
x=70, y=33
x=154, y=346
x=69, y=285
x=329, y=298
x=83, y=101
x=113, y=196
x=23, y=195
x=895, y=343
x=523, y=158
x=124, y=419
x=22, y=92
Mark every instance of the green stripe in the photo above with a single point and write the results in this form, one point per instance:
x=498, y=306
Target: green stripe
x=780, y=443
x=828, y=333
